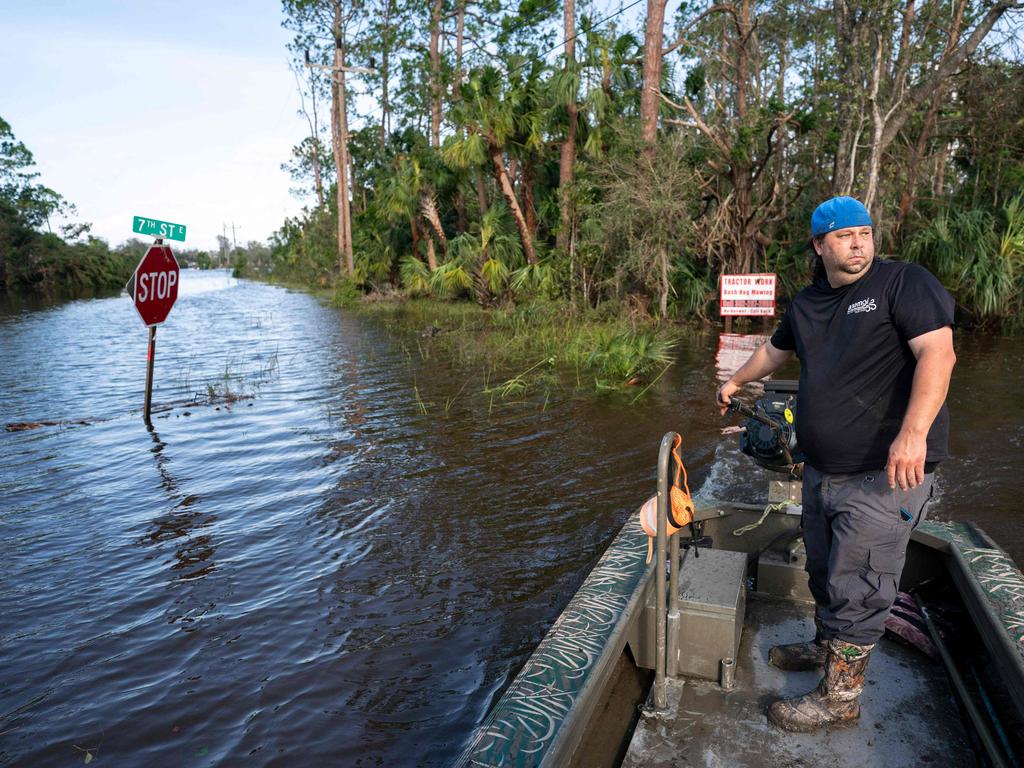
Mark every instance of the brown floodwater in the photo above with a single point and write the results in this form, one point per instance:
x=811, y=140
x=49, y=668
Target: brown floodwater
x=347, y=563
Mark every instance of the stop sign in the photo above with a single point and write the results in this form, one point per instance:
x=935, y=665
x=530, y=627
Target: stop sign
x=154, y=286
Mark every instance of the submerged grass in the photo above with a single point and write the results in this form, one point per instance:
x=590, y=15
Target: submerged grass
x=611, y=352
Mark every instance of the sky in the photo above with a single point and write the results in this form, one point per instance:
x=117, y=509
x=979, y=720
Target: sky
x=178, y=110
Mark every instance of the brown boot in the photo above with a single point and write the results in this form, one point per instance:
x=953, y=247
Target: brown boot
x=800, y=657
x=835, y=702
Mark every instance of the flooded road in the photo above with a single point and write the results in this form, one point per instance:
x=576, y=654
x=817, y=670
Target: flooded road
x=332, y=547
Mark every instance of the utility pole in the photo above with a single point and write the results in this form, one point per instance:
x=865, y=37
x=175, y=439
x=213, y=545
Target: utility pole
x=234, y=242
x=339, y=121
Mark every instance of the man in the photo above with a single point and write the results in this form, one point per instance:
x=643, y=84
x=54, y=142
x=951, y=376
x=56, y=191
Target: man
x=875, y=344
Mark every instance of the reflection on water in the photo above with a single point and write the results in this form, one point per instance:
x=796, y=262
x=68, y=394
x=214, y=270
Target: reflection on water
x=733, y=351
x=328, y=571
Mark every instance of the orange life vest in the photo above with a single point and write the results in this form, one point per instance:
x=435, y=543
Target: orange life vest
x=680, y=511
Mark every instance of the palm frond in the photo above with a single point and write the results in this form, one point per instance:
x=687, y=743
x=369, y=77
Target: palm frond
x=415, y=276
x=451, y=279
x=495, y=275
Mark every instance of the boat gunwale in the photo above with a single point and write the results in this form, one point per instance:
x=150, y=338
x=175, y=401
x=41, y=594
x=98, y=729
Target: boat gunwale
x=521, y=731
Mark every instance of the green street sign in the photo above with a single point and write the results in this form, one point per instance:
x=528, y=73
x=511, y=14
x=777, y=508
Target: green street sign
x=155, y=228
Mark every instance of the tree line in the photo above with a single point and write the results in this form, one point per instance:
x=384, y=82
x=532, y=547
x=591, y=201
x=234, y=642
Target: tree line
x=66, y=260
x=34, y=258
x=469, y=148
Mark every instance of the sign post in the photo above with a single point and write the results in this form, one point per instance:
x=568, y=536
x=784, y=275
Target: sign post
x=153, y=288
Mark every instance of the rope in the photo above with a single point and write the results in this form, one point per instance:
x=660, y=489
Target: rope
x=764, y=516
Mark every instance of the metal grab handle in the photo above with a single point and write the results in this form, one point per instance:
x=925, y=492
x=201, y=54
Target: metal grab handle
x=660, y=626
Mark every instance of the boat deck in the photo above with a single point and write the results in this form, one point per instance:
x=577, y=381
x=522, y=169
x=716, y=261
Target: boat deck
x=908, y=714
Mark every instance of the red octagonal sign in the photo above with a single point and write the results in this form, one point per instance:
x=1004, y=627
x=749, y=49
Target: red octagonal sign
x=154, y=286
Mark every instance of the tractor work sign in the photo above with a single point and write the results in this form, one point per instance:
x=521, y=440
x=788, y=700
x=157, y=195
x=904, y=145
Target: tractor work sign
x=747, y=295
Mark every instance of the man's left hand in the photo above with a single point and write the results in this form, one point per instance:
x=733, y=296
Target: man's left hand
x=906, y=460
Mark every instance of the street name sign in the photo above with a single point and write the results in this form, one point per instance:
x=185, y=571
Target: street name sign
x=156, y=228
x=154, y=285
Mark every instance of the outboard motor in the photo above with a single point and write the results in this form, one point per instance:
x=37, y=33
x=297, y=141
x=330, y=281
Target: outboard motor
x=769, y=432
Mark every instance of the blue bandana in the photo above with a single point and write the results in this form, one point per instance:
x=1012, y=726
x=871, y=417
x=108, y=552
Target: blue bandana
x=839, y=213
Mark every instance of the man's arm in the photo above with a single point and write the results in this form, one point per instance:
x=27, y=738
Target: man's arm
x=766, y=359
x=935, y=361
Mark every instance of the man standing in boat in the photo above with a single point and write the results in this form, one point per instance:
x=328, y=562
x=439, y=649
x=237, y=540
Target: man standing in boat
x=875, y=344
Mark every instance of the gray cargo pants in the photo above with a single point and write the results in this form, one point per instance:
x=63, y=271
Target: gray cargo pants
x=856, y=530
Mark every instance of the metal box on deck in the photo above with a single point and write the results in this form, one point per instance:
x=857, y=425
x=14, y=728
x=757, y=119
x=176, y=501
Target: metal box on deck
x=783, y=574
x=712, y=602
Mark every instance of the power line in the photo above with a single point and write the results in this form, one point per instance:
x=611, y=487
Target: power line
x=582, y=32
x=535, y=17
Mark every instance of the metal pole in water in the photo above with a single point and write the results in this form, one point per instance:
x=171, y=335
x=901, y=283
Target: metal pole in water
x=149, y=375
x=149, y=362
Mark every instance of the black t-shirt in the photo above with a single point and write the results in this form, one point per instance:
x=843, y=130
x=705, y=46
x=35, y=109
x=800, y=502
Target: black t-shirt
x=856, y=368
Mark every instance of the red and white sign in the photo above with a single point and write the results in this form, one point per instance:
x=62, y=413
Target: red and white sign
x=749, y=295
x=154, y=286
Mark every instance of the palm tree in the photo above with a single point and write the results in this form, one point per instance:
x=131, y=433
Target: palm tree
x=410, y=194
x=496, y=116
x=489, y=252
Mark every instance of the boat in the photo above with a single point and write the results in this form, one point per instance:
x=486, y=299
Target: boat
x=664, y=663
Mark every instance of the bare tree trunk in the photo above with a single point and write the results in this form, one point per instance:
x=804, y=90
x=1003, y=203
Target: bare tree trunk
x=339, y=168
x=917, y=160
x=460, y=27
x=385, y=109
x=355, y=196
x=654, y=35
x=529, y=208
x=414, y=228
x=877, y=124
x=339, y=120
x=317, y=180
x=461, y=218
x=939, y=181
x=481, y=194
x=435, y=74
x=431, y=258
x=851, y=46
x=567, y=159
x=505, y=185
x=343, y=190
x=429, y=210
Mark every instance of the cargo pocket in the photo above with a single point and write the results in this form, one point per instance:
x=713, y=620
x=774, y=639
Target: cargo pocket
x=880, y=574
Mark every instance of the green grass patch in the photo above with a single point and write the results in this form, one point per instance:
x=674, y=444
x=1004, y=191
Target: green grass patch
x=522, y=346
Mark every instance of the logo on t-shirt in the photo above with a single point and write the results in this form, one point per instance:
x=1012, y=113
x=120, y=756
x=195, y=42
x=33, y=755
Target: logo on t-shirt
x=864, y=305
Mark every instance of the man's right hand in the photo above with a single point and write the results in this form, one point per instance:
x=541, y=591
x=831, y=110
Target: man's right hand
x=724, y=395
